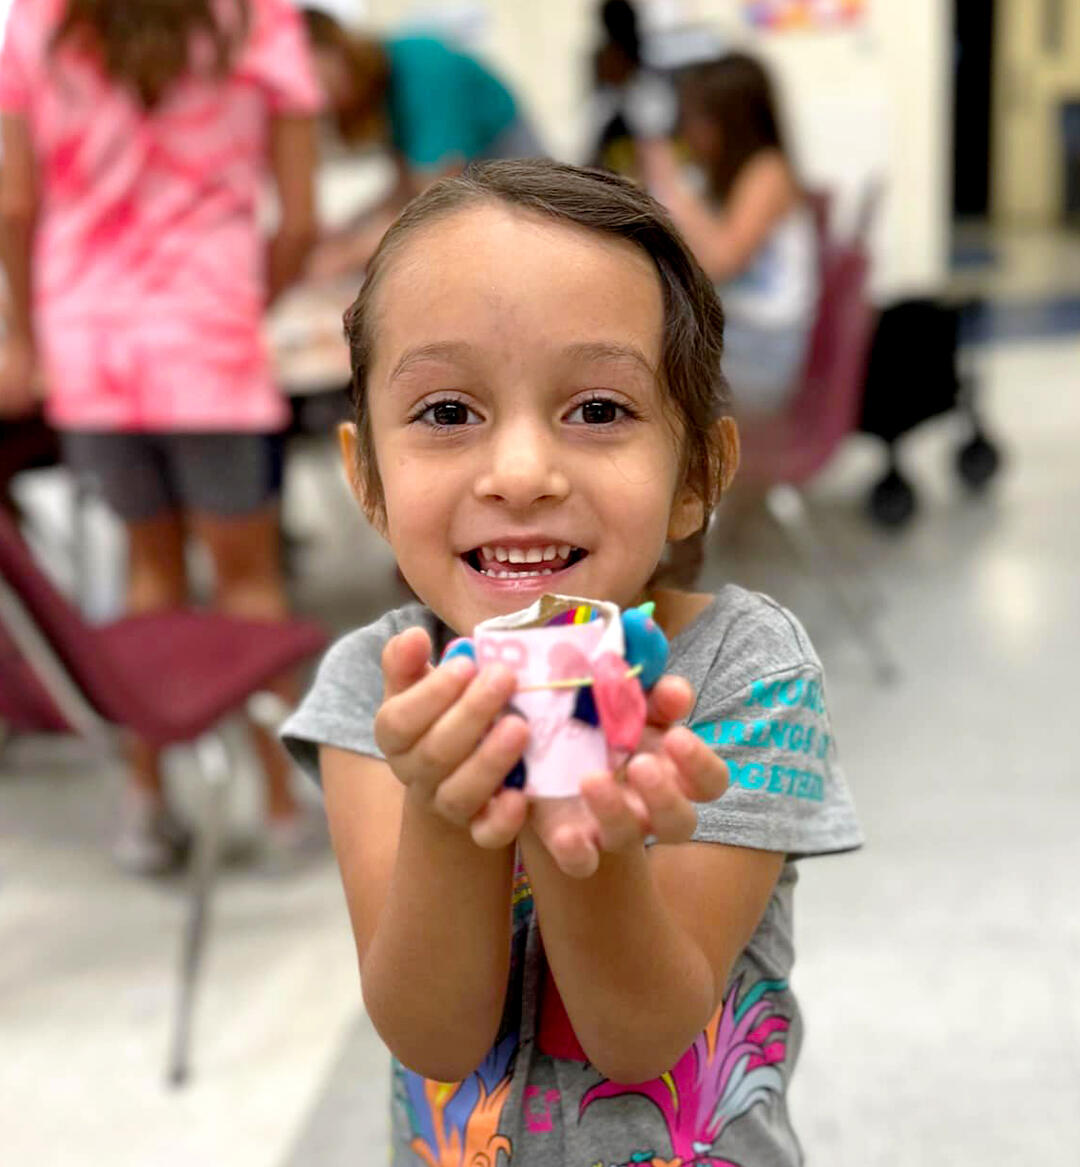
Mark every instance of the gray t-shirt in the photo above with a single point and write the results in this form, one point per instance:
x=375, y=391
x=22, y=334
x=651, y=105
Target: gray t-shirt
x=536, y=1101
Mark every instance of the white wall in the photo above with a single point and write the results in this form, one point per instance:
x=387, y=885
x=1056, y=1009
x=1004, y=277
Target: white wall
x=874, y=103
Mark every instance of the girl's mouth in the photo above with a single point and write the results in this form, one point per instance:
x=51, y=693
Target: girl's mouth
x=498, y=562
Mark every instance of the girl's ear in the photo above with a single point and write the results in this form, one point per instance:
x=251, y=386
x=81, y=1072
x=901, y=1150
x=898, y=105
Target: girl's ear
x=349, y=445
x=688, y=510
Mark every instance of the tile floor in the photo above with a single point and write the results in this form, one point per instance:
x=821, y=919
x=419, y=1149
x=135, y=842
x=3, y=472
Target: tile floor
x=940, y=967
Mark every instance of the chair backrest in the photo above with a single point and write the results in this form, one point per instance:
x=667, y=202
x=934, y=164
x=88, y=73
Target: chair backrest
x=42, y=632
x=826, y=406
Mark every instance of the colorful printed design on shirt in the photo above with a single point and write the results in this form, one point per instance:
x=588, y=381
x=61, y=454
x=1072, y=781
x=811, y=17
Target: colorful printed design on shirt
x=788, y=719
x=731, y=1067
x=456, y=1124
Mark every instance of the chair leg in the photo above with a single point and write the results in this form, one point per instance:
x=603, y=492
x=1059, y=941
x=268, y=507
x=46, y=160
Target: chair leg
x=213, y=760
x=786, y=506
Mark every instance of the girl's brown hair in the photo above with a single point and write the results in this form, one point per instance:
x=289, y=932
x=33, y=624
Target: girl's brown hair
x=736, y=94
x=147, y=44
x=610, y=205
x=368, y=71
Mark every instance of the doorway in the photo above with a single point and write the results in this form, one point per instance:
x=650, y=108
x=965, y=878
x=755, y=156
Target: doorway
x=972, y=107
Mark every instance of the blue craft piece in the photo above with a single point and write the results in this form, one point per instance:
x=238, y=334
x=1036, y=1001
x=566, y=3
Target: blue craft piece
x=585, y=706
x=462, y=646
x=515, y=780
x=646, y=645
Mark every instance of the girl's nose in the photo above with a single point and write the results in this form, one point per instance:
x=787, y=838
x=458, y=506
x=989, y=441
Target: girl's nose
x=523, y=468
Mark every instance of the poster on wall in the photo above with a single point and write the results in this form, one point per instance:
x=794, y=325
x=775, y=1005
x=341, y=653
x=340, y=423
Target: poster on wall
x=781, y=15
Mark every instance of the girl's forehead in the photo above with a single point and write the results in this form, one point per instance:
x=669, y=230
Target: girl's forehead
x=514, y=268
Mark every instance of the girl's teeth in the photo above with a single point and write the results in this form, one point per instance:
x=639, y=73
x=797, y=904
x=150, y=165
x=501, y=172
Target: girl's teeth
x=517, y=574
x=493, y=555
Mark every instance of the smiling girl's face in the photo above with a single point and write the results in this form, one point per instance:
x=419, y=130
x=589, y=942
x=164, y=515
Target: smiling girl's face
x=524, y=440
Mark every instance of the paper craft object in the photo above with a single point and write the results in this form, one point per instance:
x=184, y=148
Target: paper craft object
x=583, y=670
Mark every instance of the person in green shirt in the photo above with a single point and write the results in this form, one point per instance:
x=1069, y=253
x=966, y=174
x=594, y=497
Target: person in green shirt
x=432, y=106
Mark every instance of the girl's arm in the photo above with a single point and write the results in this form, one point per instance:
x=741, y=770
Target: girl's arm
x=18, y=214
x=430, y=913
x=430, y=908
x=724, y=241
x=642, y=951
x=293, y=157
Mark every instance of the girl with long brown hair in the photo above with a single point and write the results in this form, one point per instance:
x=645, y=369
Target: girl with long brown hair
x=137, y=136
x=752, y=229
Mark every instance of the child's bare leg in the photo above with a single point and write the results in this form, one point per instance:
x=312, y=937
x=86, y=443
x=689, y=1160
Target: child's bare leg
x=157, y=580
x=149, y=840
x=247, y=566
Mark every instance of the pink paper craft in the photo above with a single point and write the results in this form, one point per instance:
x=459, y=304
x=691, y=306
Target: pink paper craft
x=619, y=701
x=561, y=749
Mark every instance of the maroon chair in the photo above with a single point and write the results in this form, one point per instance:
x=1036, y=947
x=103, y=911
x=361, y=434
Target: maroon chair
x=782, y=453
x=170, y=678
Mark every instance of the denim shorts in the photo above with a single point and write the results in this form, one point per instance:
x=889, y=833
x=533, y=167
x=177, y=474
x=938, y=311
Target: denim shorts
x=146, y=475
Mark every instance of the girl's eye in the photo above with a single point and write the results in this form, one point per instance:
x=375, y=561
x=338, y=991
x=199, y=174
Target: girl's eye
x=599, y=411
x=446, y=414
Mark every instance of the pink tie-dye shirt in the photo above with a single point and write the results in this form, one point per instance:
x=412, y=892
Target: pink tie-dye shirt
x=148, y=261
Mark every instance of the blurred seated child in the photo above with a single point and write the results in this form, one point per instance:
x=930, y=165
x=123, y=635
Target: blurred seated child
x=751, y=227
x=432, y=107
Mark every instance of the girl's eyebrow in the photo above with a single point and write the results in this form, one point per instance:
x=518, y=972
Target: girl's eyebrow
x=449, y=350
x=609, y=351
x=442, y=350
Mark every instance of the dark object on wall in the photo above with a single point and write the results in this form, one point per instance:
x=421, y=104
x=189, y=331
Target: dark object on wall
x=1070, y=137
x=913, y=377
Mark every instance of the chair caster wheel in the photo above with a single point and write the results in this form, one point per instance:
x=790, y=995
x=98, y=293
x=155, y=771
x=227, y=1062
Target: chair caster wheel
x=892, y=501
x=977, y=462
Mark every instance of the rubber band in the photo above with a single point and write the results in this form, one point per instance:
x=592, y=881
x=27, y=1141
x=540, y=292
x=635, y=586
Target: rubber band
x=572, y=682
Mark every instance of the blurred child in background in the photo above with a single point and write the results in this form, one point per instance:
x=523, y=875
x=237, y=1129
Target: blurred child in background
x=433, y=107
x=616, y=64
x=751, y=227
x=137, y=136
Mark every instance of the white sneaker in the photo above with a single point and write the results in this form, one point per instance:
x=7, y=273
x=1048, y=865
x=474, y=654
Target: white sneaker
x=150, y=839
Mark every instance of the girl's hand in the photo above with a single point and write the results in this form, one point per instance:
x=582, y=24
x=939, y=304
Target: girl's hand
x=18, y=390
x=435, y=728
x=652, y=796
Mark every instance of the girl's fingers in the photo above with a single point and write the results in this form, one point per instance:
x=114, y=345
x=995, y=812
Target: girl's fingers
x=406, y=659
x=618, y=827
x=500, y=822
x=464, y=794
x=703, y=774
x=672, y=818
x=574, y=851
x=568, y=831
x=404, y=718
x=669, y=700
x=457, y=733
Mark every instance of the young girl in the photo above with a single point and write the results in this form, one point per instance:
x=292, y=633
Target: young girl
x=753, y=231
x=537, y=370
x=137, y=136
